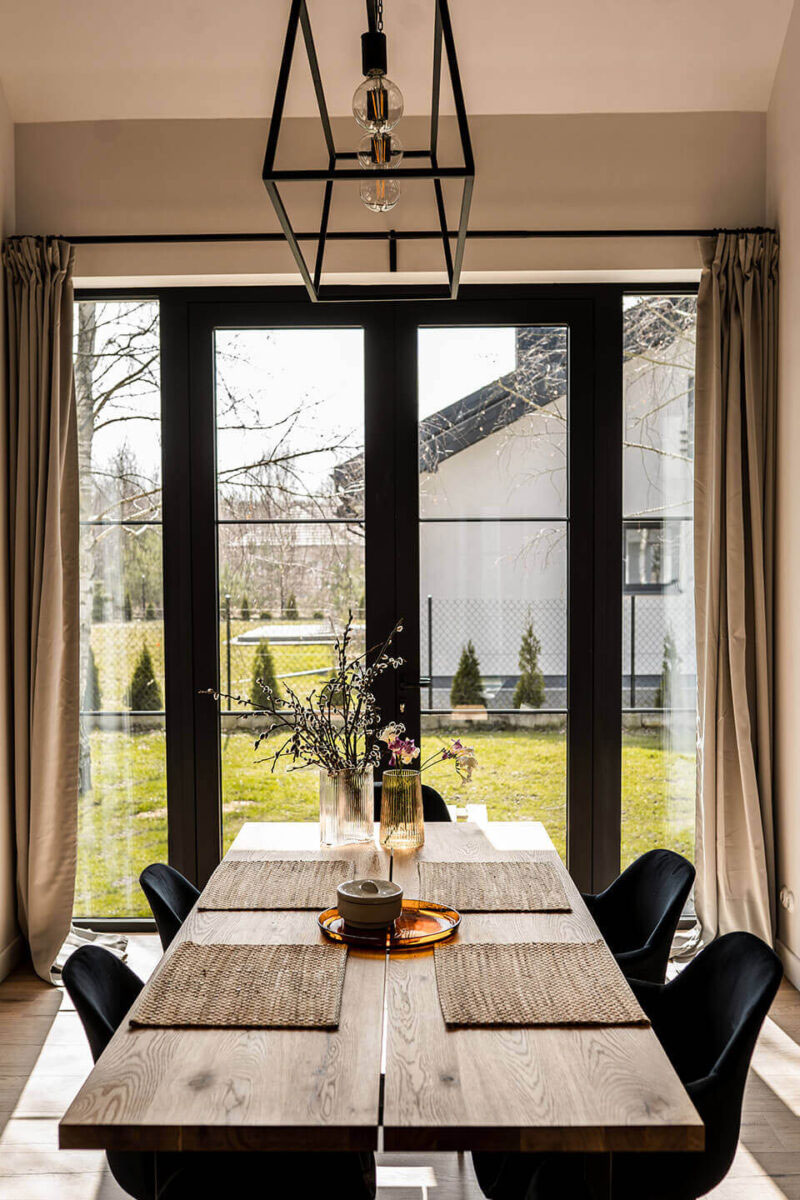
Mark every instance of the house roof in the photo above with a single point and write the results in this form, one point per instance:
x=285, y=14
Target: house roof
x=540, y=378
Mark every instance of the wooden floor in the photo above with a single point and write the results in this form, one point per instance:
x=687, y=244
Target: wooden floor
x=44, y=1058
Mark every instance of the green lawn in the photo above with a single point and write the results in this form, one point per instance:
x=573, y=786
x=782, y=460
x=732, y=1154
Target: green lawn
x=123, y=824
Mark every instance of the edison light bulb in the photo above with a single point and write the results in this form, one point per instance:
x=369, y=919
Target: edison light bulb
x=380, y=195
x=379, y=150
x=377, y=104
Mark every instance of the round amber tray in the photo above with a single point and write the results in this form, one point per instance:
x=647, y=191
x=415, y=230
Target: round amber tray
x=421, y=923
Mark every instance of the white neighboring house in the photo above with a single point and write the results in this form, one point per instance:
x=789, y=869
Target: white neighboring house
x=499, y=454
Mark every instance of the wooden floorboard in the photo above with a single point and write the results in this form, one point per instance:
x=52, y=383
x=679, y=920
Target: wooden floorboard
x=44, y=1059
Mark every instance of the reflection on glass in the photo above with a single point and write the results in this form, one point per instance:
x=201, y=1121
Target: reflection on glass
x=658, y=668
x=493, y=433
x=290, y=497
x=122, y=812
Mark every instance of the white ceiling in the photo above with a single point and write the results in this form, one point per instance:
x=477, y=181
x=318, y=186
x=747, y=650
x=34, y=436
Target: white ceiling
x=111, y=60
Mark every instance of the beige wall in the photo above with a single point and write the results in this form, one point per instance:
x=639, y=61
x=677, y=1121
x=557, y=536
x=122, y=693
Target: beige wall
x=630, y=170
x=783, y=208
x=9, y=943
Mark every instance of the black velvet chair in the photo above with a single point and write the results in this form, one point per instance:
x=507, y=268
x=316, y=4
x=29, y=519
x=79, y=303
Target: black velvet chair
x=170, y=896
x=103, y=989
x=639, y=913
x=433, y=806
x=707, y=1019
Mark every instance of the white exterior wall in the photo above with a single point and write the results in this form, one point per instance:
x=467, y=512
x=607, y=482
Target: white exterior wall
x=486, y=578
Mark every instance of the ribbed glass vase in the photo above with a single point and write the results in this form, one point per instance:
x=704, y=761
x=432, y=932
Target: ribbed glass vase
x=402, y=826
x=346, y=807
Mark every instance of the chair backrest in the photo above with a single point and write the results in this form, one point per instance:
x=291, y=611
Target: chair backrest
x=433, y=806
x=102, y=988
x=171, y=898
x=645, y=901
x=708, y=1022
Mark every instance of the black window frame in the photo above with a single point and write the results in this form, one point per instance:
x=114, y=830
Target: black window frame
x=594, y=314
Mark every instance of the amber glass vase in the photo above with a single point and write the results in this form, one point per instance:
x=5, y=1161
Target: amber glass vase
x=402, y=826
x=346, y=804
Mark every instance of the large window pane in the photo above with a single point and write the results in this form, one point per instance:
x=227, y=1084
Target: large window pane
x=658, y=668
x=122, y=815
x=493, y=564
x=290, y=463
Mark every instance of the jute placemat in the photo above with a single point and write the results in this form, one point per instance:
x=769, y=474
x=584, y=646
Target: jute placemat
x=494, y=886
x=255, y=884
x=246, y=987
x=535, y=983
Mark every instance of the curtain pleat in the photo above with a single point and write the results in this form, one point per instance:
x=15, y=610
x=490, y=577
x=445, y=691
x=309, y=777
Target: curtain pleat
x=43, y=630
x=734, y=514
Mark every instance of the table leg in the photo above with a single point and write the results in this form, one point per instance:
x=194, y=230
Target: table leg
x=598, y=1175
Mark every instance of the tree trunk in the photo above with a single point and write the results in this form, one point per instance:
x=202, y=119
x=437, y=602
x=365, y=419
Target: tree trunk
x=84, y=395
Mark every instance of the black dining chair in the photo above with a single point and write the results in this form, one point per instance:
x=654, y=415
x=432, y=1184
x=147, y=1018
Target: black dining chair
x=171, y=898
x=639, y=912
x=433, y=806
x=707, y=1019
x=103, y=988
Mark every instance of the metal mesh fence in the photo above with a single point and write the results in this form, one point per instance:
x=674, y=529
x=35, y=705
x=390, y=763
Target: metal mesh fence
x=303, y=654
x=496, y=627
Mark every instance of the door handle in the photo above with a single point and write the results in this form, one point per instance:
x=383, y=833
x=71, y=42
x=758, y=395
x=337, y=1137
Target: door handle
x=411, y=685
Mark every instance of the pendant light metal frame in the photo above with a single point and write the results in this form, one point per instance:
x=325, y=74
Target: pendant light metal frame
x=335, y=172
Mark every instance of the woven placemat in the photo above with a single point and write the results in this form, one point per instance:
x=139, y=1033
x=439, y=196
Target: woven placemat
x=256, y=884
x=245, y=987
x=494, y=886
x=534, y=983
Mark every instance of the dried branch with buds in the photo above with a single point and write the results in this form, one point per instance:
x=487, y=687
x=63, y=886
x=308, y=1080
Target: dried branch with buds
x=336, y=726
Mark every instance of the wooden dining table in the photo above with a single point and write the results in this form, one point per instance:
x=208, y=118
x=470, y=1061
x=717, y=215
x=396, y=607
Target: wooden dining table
x=392, y=1075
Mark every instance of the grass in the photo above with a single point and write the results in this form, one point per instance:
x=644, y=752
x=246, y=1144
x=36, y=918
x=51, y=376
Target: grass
x=123, y=820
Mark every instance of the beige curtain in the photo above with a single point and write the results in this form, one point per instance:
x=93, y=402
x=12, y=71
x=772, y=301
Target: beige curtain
x=735, y=402
x=43, y=567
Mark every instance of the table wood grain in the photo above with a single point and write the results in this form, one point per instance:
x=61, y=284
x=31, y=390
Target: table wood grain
x=599, y=1089
x=261, y=1089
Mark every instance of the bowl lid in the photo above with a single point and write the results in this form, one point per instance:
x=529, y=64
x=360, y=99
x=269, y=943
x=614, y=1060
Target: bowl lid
x=369, y=891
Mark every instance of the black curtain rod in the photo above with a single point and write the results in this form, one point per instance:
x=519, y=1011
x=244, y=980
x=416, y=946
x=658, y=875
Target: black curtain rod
x=394, y=235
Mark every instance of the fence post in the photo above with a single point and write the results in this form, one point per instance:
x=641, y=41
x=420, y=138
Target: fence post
x=430, y=652
x=228, y=645
x=633, y=650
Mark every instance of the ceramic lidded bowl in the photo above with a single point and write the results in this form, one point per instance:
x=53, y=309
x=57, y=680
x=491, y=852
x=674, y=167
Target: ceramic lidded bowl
x=369, y=903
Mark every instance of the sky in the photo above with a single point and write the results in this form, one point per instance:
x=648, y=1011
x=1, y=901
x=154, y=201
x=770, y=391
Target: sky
x=318, y=375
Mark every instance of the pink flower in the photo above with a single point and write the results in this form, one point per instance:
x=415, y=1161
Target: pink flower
x=402, y=750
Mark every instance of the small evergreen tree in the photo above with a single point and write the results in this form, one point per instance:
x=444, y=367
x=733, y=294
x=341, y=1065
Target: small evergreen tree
x=98, y=603
x=245, y=609
x=467, y=687
x=318, y=615
x=530, y=686
x=265, y=615
x=290, y=612
x=92, y=696
x=670, y=661
x=127, y=608
x=144, y=693
x=263, y=677
x=150, y=612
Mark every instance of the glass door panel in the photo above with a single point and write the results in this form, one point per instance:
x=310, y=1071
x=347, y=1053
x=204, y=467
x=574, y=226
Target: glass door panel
x=122, y=801
x=658, y=646
x=493, y=512
x=290, y=539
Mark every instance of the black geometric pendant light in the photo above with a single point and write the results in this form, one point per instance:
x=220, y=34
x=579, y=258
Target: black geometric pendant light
x=379, y=164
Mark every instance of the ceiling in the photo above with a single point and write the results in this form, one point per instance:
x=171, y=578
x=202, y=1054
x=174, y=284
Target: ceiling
x=106, y=60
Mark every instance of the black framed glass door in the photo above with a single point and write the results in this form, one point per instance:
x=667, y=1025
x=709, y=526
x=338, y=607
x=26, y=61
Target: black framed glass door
x=502, y=454
x=366, y=458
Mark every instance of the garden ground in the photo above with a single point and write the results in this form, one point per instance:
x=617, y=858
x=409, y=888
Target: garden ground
x=522, y=776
